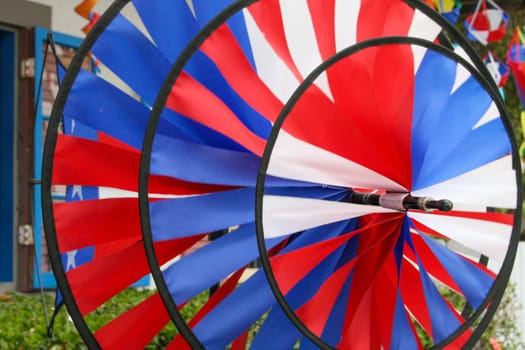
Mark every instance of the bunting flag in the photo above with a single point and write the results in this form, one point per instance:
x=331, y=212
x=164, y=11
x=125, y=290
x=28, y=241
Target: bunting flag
x=93, y=18
x=522, y=146
x=515, y=60
x=450, y=9
x=486, y=24
x=313, y=136
x=498, y=70
x=85, y=8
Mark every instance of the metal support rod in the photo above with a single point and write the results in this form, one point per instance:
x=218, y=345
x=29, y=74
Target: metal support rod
x=400, y=201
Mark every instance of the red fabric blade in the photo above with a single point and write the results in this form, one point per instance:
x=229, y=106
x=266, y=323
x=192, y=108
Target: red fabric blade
x=118, y=271
x=194, y=101
x=135, y=328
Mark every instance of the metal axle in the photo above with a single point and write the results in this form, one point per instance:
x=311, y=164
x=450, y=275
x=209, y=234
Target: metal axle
x=400, y=201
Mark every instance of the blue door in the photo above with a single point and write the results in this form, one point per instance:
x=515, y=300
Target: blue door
x=7, y=112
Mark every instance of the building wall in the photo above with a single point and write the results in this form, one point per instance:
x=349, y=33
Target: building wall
x=65, y=20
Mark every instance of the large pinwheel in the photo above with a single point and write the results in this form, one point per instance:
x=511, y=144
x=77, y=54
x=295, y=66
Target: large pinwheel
x=369, y=169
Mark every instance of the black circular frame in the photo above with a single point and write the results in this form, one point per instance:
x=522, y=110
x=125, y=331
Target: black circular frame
x=496, y=291
x=182, y=60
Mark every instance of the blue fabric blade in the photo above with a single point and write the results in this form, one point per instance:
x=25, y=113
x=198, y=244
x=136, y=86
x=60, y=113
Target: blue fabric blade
x=203, y=268
x=306, y=344
x=442, y=319
x=129, y=54
x=277, y=332
x=229, y=319
x=299, y=295
x=204, y=164
x=145, y=54
x=334, y=326
x=199, y=133
x=251, y=299
x=101, y=106
x=431, y=93
x=317, y=234
x=403, y=337
x=170, y=23
x=186, y=216
x=481, y=146
x=444, y=323
x=402, y=334
x=132, y=57
x=474, y=283
x=462, y=112
x=350, y=252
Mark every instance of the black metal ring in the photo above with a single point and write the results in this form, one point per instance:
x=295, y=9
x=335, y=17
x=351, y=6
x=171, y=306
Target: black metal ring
x=47, y=170
x=495, y=293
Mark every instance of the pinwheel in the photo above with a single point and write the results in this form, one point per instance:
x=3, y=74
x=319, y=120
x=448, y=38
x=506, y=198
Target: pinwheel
x=515, y=60
x=498, y=70
x=486, y=24
x=277, y=127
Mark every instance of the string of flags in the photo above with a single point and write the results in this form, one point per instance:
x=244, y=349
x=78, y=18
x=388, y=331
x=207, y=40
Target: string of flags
x=486, y=24
x=489, y=23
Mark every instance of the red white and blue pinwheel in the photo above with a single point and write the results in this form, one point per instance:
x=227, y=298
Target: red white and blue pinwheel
x=344, y=147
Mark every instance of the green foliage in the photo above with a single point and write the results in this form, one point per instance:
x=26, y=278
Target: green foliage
x=23, y=324
x=504, y=326
x=517, y=19
x=502, y=329
x=499, y=48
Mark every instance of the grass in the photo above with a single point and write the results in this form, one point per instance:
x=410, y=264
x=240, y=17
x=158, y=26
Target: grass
x=23, y=325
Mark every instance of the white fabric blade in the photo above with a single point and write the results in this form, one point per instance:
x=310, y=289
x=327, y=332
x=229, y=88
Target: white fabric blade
x=492, y=185
x=491, y=114
x=286, y=215
x=346, y=17
x=302, y=42
x=270, y=68
x=458, y=50
x=422, y=27
x=295, y=159
x=486, y=237
x=111, y=192
x=462, y=74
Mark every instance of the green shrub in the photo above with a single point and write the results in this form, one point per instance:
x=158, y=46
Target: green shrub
x=23, y=324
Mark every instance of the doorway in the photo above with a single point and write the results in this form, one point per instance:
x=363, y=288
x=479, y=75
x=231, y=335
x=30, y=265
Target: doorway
x=7, y=123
